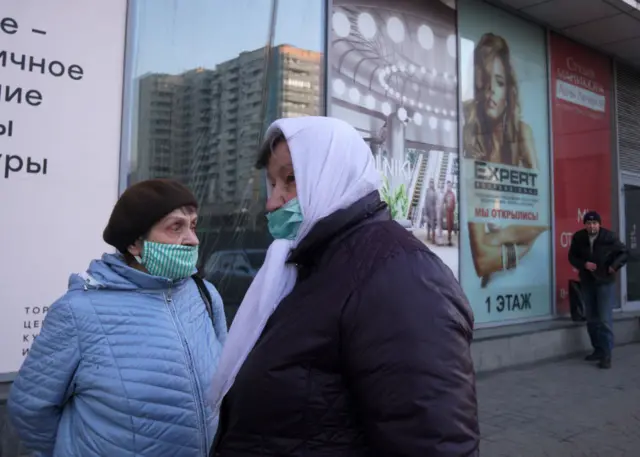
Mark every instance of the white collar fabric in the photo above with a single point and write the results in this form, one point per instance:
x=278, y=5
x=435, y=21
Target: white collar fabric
x=334, y=168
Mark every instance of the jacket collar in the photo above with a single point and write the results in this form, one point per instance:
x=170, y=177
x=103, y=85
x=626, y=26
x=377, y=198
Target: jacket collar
x=112, y=272
x=333, y=227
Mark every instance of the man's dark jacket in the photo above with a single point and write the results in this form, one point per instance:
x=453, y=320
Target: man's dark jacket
x=367, y=356
x=608, y=251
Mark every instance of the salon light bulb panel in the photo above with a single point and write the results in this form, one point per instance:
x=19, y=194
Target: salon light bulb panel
x=355, y=96
x=367, y=26
x=341, y=24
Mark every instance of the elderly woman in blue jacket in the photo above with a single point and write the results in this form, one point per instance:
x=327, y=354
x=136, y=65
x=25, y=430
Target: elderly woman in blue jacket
x=124, y=360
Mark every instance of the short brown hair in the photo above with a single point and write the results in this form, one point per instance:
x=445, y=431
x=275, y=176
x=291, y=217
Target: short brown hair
x=274, y=139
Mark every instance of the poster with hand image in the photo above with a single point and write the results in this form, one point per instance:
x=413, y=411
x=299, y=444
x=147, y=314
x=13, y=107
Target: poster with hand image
x=506, y=256
x=393, y=77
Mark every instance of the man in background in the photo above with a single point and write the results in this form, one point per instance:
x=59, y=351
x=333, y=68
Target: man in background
x=598, y=255
x=430, y=211
x=450, y=209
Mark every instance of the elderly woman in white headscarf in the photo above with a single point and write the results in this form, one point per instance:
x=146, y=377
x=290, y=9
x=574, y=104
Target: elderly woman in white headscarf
x=353, y=339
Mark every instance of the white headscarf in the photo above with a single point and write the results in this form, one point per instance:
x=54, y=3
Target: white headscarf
x=334, y=168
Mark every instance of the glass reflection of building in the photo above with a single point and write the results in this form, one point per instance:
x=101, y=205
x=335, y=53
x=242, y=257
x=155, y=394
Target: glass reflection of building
x=203, y=127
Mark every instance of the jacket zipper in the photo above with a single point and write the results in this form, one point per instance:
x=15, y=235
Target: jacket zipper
x=192, y=372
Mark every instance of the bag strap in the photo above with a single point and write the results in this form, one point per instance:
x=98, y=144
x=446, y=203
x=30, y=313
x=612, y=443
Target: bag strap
x=205, y=295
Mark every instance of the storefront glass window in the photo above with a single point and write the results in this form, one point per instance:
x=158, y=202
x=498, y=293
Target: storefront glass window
x=205, y=78
x=506, y=255
x=393, y=77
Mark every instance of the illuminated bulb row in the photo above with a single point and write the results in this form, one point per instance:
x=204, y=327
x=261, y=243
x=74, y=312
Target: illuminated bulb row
x=417, y=118
x=396, y=94
x=370, y=102
x=382, y=78
x=411, y=70
x=395, y=28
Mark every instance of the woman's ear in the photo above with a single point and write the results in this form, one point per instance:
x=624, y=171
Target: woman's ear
x=136, y=248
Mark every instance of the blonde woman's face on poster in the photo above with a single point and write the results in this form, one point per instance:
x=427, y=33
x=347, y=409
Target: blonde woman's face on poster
x=496, y=90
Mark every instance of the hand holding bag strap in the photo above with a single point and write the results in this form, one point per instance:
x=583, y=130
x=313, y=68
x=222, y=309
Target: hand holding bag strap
x=205, y=295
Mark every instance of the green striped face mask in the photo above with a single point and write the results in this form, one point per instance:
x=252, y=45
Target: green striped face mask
x=173, y=261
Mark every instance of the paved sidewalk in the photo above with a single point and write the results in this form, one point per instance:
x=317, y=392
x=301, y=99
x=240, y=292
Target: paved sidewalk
x=563, y=409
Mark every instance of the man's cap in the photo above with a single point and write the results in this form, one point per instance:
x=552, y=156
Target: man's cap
x=592, y=216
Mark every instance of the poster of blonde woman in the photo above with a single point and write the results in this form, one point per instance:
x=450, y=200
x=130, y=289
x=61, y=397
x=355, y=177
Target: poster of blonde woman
x=506, y=260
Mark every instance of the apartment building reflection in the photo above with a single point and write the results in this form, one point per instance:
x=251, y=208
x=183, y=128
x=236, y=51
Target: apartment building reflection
x=203, y=126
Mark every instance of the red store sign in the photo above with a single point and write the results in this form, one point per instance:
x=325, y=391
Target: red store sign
x=581, y=81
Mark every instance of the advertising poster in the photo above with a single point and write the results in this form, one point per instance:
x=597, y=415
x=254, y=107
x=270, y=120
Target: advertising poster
x=61, y=72
x=506, y=253
x=393, y=77
x=581, y=83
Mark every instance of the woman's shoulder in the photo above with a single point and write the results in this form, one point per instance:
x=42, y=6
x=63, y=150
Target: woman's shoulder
x=468, y=105
x=381, y=240
x=409, y=269
x=526, y=132
x=192, y=291
x=469, y=109
x=197, y=301
x=94, y=303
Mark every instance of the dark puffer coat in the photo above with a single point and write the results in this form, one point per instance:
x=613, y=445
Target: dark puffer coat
x=368, y=356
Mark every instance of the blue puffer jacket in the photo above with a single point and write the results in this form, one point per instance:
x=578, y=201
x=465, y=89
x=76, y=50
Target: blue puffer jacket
x=122, y=367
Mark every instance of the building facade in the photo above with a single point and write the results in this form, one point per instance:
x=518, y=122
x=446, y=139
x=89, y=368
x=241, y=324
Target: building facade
x=519, y=115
